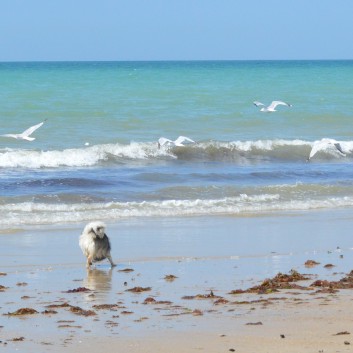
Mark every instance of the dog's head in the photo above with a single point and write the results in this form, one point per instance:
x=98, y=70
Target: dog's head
x=96, y=229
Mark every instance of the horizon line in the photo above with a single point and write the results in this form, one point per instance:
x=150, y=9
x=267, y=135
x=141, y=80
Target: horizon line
x=167, y=60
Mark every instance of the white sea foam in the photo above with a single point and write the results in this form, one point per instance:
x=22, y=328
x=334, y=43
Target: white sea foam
x=267, y=145
x=28, y=213
x=79, y=157
x=113, y=153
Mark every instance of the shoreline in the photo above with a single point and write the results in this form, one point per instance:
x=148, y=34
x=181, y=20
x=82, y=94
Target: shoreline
x=43, y=269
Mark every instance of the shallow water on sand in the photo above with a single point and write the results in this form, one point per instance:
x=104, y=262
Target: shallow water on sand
x=207, y=255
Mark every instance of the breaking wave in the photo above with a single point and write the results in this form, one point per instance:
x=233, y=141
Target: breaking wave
x=30, y=213
x=235, y=152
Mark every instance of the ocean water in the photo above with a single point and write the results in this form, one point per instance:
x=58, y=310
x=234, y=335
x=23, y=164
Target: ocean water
x=97, y=157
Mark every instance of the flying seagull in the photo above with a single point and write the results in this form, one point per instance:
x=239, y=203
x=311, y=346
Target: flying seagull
x=178, y=142
x=271, y=107
x=25, y=135
x=326, y=145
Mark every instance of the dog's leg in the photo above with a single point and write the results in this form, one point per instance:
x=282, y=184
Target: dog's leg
x=111, y=261
x=89, y=262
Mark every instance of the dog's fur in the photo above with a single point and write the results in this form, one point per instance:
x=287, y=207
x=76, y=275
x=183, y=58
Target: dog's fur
x=95, y=244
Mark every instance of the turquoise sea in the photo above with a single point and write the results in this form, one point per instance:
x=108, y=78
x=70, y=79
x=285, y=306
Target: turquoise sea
x=96, y=156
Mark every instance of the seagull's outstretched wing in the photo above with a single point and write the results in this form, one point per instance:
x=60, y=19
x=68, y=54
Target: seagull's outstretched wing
x=162, y=141
x=33, y=128
x=326, y=145
x=316, y=148
x=179, y=141
x=258, y=104
x=274, y=104
x=15, y=136
x=25, y=135
x=339, y=148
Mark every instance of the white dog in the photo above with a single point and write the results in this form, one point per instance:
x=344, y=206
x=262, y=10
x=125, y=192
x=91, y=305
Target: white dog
x=95, y=244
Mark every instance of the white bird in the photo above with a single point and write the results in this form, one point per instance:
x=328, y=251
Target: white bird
x=25, y=135
x=328, y=145
x=272, y=106
x=178, y=142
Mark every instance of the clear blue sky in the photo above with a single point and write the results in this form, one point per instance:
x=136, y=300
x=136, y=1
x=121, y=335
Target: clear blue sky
x=37, y=30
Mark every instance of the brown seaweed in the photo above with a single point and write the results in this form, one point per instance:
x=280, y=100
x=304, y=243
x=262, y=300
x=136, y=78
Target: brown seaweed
x=211, y=295
x=113, y=307
x=23, y=311
x=150, y=300
x=78, y=290
x=139, y=289
x=170, y=278
x=311, y=263
x=272, y=285
x=79, y=311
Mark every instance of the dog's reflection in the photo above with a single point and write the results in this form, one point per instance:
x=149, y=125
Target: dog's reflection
x=99, y=281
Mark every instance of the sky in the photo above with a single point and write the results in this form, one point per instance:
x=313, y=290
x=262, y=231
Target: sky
x=86, y=30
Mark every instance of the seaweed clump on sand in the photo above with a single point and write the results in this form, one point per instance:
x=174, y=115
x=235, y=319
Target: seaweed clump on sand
x=79, y=311
x=23, y=311
x=170, y=278
x=150, y=300
x=211, y=295
x=280, y=281
x=139, y=289
x=343, y=283
x=311, y=263
x=78, y=290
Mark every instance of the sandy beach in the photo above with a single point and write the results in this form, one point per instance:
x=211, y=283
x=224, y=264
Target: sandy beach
x=207, y=284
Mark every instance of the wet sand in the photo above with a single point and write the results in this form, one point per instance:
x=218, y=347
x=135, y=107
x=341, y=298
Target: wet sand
x=181, y=285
